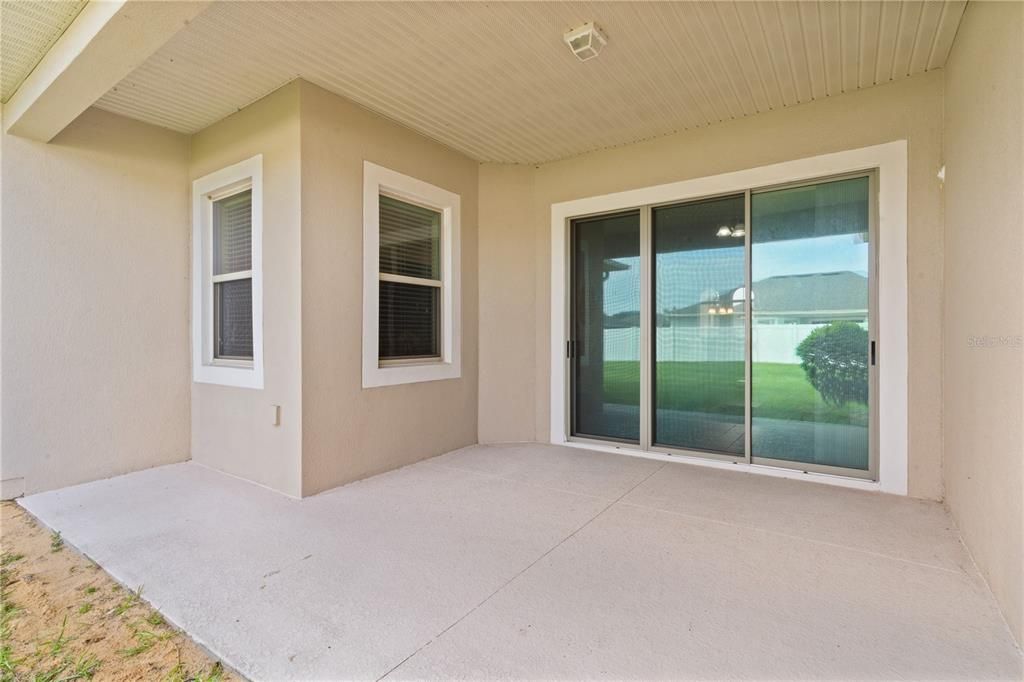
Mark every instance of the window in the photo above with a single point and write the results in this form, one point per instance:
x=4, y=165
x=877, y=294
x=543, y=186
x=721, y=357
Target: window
x=227, y=279
x=411, y=317
x=410, y=281
x=232, y=276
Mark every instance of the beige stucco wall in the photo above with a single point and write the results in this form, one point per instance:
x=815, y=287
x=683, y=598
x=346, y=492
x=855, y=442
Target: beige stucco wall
x=95, y=298
x=232, y=429
x=349, y=432
x=984, y=384
x=507, y=292
x=910, y=109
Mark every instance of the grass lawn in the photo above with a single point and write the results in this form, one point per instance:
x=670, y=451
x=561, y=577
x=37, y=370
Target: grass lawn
x=779, y=391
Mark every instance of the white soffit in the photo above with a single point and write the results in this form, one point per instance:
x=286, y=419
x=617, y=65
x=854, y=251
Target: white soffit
x=495, y=81
x=28, y=28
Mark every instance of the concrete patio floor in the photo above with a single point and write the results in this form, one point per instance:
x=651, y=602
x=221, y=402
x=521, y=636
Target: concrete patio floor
x=534, y=561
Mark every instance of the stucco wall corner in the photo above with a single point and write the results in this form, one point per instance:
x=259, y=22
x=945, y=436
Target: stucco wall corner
x=350, y=432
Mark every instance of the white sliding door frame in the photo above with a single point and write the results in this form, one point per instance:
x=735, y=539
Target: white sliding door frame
x=889, y=160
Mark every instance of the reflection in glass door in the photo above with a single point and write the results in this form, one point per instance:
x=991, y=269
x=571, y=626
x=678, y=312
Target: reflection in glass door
x=605, y=345
x=699, y=335
x=811, y=324
x=738, y=327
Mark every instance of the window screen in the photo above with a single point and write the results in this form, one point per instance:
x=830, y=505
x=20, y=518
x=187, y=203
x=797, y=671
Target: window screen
x=232, y=233
x=408, y=320
x=410, y=281
x=233, y=318
x=232, y=276
x=410, y=239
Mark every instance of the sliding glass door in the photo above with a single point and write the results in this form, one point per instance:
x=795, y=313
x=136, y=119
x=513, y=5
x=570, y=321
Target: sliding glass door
x=699, y=348
x=811, y=274
x=605, y=345
x=739, y=327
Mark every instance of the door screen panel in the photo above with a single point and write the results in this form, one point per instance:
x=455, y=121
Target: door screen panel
x=606, y=327
x=699, y=327
x=810, y=262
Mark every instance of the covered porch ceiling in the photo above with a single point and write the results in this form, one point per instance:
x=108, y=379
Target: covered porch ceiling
x=495, y=81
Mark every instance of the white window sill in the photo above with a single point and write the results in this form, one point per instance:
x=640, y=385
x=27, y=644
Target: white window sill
x=225, y=374
x=404, y=373
x=234, y=364
x=411, y=362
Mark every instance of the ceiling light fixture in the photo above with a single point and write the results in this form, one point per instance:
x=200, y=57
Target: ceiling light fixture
x=724, y=231
x=586, y=41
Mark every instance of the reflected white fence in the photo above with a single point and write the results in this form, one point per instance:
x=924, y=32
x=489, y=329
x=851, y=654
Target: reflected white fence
x=772, y=343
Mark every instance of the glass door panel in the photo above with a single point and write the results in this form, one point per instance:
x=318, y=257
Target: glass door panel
x=605, y=335
x=699, y=328
x=810, y=328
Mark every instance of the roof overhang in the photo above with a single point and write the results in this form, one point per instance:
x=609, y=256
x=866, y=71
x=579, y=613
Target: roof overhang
x=105, y=43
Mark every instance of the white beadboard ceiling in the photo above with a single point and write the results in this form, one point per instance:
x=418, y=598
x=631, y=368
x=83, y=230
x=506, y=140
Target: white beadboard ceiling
x=28, y=28
x=495, y=81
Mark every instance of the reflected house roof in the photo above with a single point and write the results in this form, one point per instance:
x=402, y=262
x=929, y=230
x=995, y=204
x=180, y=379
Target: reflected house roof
x=817, y=292
x=814, y=293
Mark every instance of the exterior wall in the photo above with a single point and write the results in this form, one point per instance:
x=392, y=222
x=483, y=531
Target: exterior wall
x=349, y=432
x=910, y=109
x=984, y=382
x=232, y=429
x=507, y=302
x=95, y=303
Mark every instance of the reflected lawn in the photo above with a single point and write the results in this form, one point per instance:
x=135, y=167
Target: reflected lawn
x=781, y=391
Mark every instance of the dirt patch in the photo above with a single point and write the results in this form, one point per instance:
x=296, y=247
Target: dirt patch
x=63, y=618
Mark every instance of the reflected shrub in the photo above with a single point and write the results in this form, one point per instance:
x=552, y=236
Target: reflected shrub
x=834, y=358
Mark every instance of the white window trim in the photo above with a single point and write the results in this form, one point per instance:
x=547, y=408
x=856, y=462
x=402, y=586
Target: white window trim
x=891, y=161
x=377, y=179
x=205, y=369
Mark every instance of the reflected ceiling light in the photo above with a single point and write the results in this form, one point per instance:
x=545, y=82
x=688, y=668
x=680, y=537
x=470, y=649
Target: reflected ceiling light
x=724, y=231
x=586, y=41
x=739, y=231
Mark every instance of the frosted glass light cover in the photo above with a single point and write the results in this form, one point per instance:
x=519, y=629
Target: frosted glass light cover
x=586, y=41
